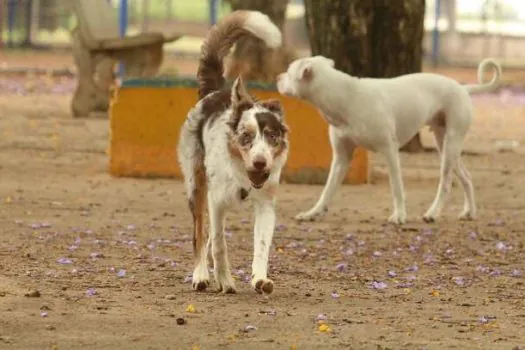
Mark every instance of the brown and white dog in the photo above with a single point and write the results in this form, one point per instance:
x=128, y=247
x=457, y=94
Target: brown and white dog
x=232, y=147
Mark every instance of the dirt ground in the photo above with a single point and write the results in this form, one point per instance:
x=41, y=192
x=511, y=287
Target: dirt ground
x=88, y=261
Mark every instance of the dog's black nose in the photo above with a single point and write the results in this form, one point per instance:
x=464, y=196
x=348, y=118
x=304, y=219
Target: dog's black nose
x=259, y=164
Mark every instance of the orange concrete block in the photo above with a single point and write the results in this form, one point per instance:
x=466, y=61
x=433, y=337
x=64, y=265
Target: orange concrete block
x=146, y=116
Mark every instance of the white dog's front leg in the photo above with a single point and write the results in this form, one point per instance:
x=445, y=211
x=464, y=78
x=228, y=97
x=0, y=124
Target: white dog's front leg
x=262, y=240
x=341, y=157
x=396, y=185
x=223, y=278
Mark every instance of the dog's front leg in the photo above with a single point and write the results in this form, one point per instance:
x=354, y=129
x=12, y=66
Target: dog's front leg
x=221, y=265
x=262, y=240
x=342, y=151
x=396, y=184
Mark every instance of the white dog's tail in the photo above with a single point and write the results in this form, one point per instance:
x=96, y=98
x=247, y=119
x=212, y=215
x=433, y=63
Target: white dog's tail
x=223, y=36
x=482, y=69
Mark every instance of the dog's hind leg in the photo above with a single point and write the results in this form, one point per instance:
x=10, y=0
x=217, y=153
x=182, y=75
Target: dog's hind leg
x=469, y=206
x=450, y=162
x=221, y=265
x=342, y=152
x=197, y=202
x=391, y=155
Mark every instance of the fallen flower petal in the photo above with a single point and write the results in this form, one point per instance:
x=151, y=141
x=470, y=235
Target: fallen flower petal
x=341, y=267
x=324, y=328
x=321, y=317
x=64, y=261
x=378, y=285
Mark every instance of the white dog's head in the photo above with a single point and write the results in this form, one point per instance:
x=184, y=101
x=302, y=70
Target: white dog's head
x=258, y=135
x=297, y=80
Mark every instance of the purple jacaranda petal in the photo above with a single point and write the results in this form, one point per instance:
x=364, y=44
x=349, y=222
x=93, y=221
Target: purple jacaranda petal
x=378, y=285
x=64, y=261
x=412, y=268
x=321, y=317
x=341, y=267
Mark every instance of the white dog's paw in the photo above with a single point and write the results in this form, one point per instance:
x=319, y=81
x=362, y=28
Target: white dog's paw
x=225, y=284
x=429, y=217
x=309, y=215
x=397, y=218
x=262, y=285
x=201, y=278
x=467, y=215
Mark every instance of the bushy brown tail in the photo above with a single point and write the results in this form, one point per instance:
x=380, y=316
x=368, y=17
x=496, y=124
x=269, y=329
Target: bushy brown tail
x=222, y=37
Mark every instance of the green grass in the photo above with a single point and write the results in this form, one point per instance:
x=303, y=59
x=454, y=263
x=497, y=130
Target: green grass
x=184, y=10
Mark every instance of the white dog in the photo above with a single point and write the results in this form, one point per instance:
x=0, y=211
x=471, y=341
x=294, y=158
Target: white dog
x=231, y=148
x=382, y=115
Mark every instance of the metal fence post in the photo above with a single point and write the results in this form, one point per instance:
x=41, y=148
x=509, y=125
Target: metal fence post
x=435, y=34
x=11, y=13
x=123, y=26
x=213, y=11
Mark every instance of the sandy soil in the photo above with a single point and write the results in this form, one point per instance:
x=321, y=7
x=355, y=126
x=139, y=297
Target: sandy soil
x=88, y=261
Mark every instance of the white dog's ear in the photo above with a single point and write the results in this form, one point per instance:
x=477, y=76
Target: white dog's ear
x=239, y=92
x=331, y=62
x=306, y=73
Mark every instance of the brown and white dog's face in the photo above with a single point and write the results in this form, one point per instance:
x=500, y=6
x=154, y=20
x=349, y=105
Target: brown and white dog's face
x=296, y=80
x=258, y=134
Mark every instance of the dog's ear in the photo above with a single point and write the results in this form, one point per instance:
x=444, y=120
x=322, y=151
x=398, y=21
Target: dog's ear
x=273, y=106
x=331, y=62
x=306, y=73
x=239, y=93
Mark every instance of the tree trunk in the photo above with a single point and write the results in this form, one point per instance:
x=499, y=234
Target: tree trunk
x=251, y=58
x=369, y=38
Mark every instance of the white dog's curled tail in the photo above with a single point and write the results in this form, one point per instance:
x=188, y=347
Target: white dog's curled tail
x=482, y=86
x=223, y=36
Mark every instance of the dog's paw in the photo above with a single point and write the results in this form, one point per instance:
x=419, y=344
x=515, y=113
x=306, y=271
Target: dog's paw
x=397, y=218
x=200, y=279
x=310, y=215
x=226, y=285
x=467, y=216
x=429, y=218
x=201, y=286
x=262, y=285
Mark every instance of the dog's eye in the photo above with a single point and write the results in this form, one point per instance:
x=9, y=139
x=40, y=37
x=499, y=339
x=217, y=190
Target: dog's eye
x=245, y=139
x=272, y=137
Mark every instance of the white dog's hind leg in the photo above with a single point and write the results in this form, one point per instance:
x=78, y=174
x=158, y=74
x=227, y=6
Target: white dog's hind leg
x=396, y=184
x=221, y=265
x=469, y=206
x=342, y=151
x=449, y=161
x=262, y=240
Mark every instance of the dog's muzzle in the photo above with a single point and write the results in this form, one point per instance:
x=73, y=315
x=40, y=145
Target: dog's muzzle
x=258, y=178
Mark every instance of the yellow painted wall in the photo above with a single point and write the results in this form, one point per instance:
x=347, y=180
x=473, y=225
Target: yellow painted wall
x=145, y=124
